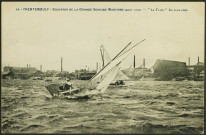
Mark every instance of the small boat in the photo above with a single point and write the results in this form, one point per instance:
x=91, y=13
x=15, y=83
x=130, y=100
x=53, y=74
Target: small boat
x=56, y=89
x=98, y=83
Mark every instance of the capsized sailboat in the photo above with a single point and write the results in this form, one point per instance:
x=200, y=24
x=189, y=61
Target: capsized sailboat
x=101, y=80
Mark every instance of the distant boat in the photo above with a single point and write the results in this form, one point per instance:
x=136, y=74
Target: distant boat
x=99, y=82
x=119, y=79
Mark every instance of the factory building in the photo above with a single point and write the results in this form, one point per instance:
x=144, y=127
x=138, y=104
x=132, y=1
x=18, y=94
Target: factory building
x=23, y=72
x=7, y=75
x=167, y=69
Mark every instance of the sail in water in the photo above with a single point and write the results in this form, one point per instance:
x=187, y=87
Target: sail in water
x=112, y=67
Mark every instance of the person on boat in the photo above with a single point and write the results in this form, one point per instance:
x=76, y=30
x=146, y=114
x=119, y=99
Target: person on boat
x=67, y=85
x=121, y=82
x=117, y=83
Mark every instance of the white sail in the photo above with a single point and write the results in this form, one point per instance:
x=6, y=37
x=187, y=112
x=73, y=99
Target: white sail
x=105, y=59
x=121, y=76
x=108, y=79
x=105, y=56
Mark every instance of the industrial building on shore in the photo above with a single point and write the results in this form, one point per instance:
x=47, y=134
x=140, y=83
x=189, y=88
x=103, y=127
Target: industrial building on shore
x=163, y=70
x=21, y=72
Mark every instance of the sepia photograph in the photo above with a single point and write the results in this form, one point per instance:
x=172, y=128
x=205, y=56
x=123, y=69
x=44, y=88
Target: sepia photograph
x=102, y=67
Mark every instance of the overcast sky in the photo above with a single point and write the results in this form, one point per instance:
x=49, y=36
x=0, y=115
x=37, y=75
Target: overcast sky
x=42, y=38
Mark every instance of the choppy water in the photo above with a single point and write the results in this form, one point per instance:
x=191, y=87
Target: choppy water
x=150, y=107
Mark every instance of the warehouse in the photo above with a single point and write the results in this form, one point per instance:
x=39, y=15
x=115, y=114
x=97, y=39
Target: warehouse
x=168, y=70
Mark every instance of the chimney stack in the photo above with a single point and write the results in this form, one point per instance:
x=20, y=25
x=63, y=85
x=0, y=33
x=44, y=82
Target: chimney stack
x=188, y=60
x=198, y=60
x=41, y=68
x=27, y=66
x=134, y=61
x=61, y=64
x=143, y=62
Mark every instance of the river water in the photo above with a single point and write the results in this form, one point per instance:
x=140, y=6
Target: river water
x=150, y=107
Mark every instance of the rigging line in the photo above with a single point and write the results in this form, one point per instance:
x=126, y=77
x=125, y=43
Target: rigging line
x=132, y=47
x=111, y=60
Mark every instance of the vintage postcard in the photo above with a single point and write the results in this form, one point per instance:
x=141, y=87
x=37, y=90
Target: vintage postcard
x=102, y=67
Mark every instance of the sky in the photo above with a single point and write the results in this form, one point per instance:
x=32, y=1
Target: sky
x=43, y=37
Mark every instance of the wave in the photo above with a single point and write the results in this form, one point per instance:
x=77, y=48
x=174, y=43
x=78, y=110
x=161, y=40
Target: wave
x=191, y=115
x=173, y=129
x=22, y=114
x=170, y=103
x=43, y=117
x=32, y=127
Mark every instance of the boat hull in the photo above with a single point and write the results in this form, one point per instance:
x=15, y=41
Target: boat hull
x=56, y=90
